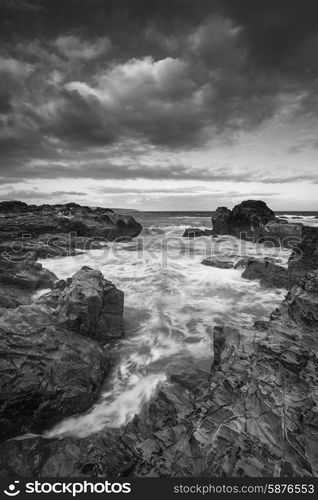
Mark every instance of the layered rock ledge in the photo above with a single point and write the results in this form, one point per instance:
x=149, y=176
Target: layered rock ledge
x=60, y=230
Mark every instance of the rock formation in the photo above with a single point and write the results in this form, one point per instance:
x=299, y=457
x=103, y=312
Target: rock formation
x=253, y=220
x=57, y=230
x=303, y=259
x=220, y=221
x=19, y=280
x=52, y=357
x=253, y=414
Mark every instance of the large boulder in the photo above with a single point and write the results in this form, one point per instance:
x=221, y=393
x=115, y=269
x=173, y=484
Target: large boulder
x=87, y=304
x=249, y=218
x=253, y=220
x=246, y=220
x=52, y=362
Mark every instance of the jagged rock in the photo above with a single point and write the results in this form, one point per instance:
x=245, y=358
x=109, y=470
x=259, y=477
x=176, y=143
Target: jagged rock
x=304, y=257
x=266, y=271
x=195, y=232
x=249, y=218
x=38, y=228
x=252, y=219
x=302, y=302
x=20, y=279
x=88, y=304
x=255, y=413
x=52, y=365
x=286, y=233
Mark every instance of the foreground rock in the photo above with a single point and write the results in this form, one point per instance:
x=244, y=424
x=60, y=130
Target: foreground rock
x=19, y=280
x=252, y=219
x=52, y=359
x=59, y=230
x=303, y=259
x=267, y=272
x=254, y=415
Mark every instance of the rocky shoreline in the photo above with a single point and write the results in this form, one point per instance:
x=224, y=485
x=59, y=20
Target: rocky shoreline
x=253, y=414
x=54, y=348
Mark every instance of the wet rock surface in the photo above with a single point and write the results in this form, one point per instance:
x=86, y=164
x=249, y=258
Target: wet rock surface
x=19, y=280
x=52, y=357
x=253, y=414
x=303, y=259
x=252, y=219
x=59, y=230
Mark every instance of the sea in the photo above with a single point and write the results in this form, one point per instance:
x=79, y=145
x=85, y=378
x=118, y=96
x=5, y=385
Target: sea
x=172, y=304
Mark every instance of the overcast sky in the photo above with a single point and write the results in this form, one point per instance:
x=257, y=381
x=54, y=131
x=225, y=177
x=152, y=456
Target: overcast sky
x=163, y=105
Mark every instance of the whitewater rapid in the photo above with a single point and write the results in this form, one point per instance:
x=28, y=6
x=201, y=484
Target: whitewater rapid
x=172, y=303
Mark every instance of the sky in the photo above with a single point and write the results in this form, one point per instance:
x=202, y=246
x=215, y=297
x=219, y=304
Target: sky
x=159, y=105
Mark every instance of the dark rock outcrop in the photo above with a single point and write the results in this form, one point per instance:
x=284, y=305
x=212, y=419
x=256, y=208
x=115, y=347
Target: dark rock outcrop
x=57, y=230
x=195, y=232
x=220, y=221
x=303, y=259
x=20, y=279
x=254, y=414
x=51, y=362
x=284, y=232
x=252, y=219
x=246, y=220
x=266, y=271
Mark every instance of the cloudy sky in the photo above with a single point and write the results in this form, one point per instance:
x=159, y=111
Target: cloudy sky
x=159, y=105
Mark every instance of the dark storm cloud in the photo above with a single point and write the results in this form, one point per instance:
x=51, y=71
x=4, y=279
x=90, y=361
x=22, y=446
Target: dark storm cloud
x=89, y=74
x=103, y=170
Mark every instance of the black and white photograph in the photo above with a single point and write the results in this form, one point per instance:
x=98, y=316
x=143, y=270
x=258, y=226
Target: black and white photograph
x=159, y=246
